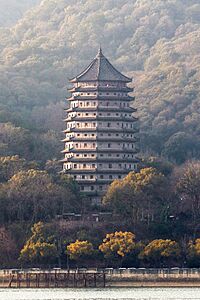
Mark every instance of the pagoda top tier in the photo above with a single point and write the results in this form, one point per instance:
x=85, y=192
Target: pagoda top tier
x=100, y=69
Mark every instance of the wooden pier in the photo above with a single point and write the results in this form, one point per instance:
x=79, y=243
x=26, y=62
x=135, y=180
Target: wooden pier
x=54, y=280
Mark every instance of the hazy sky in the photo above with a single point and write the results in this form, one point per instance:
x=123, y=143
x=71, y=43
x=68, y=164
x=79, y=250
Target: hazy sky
x=12, y=10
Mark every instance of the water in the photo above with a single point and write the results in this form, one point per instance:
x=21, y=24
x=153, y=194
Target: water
x=105, y=294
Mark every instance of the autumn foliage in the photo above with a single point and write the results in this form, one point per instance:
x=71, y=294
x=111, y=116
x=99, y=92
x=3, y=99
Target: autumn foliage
x=117, y=244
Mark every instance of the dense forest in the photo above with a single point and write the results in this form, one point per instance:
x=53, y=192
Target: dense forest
x=157, y=43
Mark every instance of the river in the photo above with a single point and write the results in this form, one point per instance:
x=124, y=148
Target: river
x=98, y=294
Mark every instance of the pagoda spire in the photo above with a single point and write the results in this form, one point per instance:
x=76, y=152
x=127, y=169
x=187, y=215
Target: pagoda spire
x=100, y=53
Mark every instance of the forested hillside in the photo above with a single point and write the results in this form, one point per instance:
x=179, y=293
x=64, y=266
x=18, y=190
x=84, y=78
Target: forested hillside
x=157, y=42
x=12, y=10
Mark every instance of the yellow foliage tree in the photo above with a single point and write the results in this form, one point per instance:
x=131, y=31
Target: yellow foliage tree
x=118, y=244
x=80, y=249
x=161, y=251
x=38, y=248
x=138, y=196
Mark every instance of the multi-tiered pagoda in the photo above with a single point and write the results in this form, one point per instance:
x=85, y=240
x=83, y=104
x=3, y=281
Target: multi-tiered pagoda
x=100, y=142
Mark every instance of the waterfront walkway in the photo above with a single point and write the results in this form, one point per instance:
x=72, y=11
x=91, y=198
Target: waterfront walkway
x=37, y=278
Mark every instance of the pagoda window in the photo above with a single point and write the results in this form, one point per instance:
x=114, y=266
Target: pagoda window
x=93, y=165
x=110, y=177
x=91, y=176
x=101, y=155
x=92, y=188
x=92, y=155
x=86, y=114
x=75, y=166
x=93, y=145
x=83, y=176
x=101, y=176
x=77, y=145
x=92, y=134
x=88, y=93
x=88, y=103
x=86, y=124
x=120, y=165
x=81, y=103
x=110, y=166
x=119, y=176
x=84, y=166
x=109, y=145
x=74, y=176
x=85, y=145
x=108, y=125
x=100, y=187
x=85, y=134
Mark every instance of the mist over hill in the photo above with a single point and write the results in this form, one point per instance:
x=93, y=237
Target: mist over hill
x=12, y=10
x=157, y=42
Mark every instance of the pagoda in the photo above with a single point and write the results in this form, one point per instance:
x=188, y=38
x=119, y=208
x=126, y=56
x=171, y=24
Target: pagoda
x=100, y=141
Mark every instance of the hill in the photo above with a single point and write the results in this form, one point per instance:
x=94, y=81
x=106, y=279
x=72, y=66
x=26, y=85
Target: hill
x=157, y=42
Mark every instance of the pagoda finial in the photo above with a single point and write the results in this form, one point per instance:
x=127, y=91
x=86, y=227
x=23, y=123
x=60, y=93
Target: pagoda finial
x=100, y=52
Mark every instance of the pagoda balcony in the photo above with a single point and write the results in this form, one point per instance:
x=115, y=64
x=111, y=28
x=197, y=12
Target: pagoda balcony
x=113, y=171
x=83, y=159
x=91, y=180
x=101, y=97
x=81, y=170
x=117, y=130
x=115, y=109
x=80, y=129
x=100, y=89
x=84, y=139
x=102, y=108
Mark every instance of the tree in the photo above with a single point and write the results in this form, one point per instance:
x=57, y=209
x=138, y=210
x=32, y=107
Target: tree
x=181, y=147
x=39, y=248
x=117, y=244
x=159, y=163
x=193, y=255
x=80, y=250
x=32, y=195
x=139, y=196
x=8, y=250
x=188, y=189
x=161, y=252
x=10, y=165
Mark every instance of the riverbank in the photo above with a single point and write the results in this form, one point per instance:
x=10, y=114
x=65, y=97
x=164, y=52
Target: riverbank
x=153, y=284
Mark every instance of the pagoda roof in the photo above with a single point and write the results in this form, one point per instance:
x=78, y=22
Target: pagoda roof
x=100, y=69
